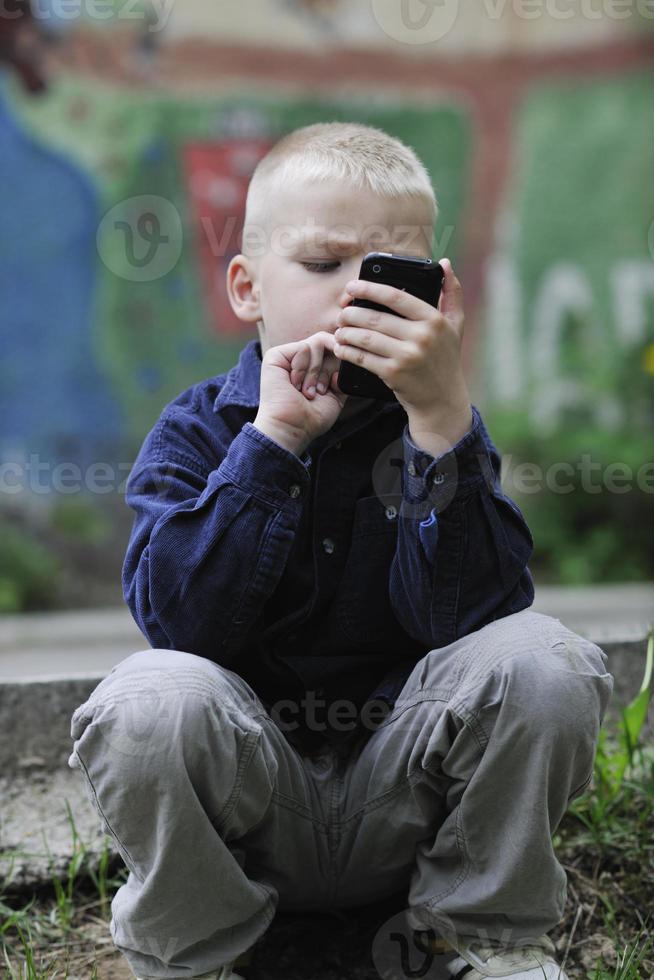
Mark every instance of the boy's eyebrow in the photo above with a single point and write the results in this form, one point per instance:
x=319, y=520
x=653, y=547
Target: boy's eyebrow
x=348, y=244
x=337, y=244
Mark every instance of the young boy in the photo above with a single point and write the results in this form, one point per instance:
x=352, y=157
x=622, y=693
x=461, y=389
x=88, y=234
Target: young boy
x=347, y=694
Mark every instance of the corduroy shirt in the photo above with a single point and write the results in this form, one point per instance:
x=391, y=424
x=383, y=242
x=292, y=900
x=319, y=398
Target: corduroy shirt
x=332, y=572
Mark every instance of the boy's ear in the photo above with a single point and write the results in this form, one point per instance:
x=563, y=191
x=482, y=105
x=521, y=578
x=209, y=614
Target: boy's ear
x=243, y=288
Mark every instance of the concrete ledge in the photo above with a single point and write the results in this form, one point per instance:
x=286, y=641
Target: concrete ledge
x=35, y=720
x=36, y=838
x=50, y=664
x=35, y=714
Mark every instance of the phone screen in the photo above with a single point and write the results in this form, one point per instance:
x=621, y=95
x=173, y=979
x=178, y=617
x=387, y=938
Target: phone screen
x=421, y=277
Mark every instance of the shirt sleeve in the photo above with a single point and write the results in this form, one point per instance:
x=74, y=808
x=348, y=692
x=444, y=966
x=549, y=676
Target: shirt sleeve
x=463, y=545
x=208, y=545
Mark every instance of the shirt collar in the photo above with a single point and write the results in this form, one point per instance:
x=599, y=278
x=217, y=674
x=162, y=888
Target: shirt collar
x=243, y=382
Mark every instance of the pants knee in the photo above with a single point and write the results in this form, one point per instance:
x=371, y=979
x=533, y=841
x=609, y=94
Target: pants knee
x=154, y=706
x=563, y=683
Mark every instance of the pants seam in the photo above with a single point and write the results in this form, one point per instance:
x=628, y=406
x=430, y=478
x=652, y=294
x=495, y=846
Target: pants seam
x=426, y=694
x=121, y=846
x=465, y=870
x=406, y=782
x=301, y=809
x=250, y=743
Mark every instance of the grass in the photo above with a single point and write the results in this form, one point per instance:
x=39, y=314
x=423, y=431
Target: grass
x=606, y=845
x=61, y=932
x=605, y=842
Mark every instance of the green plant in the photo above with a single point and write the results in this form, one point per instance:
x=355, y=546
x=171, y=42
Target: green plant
x=585, y=492
x=600, y=810
x=28, y=570
x=79, y=520
x=629, y=960
x=611, y=769
x=38, y=945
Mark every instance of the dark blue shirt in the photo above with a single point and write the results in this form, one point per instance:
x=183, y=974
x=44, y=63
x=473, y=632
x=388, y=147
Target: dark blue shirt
x=333, y=572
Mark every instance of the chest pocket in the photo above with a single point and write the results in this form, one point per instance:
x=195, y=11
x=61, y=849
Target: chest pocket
x=362, y=610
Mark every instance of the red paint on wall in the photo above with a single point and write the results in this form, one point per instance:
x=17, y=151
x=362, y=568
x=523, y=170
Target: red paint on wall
x=217, y=177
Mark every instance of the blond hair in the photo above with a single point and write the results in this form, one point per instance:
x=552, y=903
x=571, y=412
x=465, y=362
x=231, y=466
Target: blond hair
x=361, y=156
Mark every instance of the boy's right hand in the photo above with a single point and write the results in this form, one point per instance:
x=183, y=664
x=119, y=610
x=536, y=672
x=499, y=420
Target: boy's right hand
x=288, y=415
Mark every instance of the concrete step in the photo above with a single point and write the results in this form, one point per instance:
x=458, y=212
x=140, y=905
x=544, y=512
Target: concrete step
x=50, y=663
x=37, y=840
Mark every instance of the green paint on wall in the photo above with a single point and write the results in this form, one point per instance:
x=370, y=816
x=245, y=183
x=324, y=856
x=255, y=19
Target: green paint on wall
x=579, y=210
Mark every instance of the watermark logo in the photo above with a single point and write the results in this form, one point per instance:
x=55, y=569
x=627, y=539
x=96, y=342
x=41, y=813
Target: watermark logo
x=138, y=727
x=394, y=477
x=416, y=21
x=140, y=238
x=428, y=21
x=405, y=950
x=422, y=940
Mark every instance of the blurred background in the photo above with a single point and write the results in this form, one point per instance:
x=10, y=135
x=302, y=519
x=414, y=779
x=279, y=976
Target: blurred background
x=128, y=132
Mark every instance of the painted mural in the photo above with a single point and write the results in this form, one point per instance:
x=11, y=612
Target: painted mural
x=124, y=200
x=163, y=183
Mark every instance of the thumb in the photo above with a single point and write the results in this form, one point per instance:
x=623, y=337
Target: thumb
x=451, y=300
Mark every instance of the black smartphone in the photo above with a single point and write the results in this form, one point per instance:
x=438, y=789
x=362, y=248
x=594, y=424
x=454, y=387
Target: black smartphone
x=416, y=275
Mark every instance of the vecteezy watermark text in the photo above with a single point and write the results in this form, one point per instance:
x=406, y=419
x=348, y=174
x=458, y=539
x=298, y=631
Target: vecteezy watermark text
x=141, y=238
x=520, y=477
x=153, y=13
x=428, y=21
x=585, y=474
x=314, y=713
x=41, y=476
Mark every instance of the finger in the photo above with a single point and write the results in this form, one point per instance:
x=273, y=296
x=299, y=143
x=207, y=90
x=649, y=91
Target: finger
x=334, y=383
x=451, y=298
x=299, y=364
x=385, y=323
x=310, y=381
x=323, y=362
x=399, y=301
x=322, y=383
x=355, y=339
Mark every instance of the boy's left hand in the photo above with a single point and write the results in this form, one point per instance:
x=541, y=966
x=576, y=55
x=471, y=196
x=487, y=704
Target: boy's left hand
x=417, y=353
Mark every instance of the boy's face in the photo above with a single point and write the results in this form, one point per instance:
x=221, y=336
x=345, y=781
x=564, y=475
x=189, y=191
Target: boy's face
x=312, y=247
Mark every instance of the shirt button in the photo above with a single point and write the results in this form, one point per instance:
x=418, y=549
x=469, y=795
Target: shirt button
x=391, y=512
x=411, y=468
x=294, y=491
x=327, y=545
x=438, y=479
x=337, y=445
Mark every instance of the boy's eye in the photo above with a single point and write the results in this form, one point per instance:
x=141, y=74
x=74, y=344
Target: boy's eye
x=320, y=266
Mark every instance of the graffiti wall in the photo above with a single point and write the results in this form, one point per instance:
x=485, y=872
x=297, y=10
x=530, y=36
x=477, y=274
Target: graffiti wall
x=125, y=175
x=117, y=295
